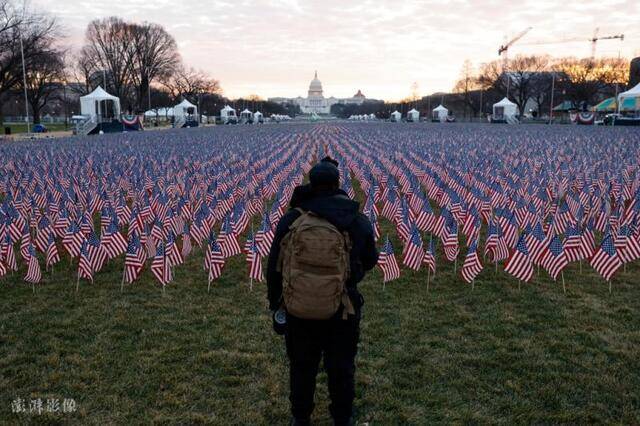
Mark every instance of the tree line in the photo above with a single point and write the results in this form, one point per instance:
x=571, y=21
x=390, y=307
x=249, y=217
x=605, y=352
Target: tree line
x=137, y=62
x=527, y=80
x=532, y=79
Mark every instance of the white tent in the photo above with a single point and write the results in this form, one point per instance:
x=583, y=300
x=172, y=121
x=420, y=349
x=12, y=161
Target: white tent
x=257, y=117
x=439, y=113
x=372, y=116
x=633, y=93
x=95, y=105
x=504, y=110
x=413, y=116
x=396, y=116
x=246, y=115
x=185, y=109
x=228, y=114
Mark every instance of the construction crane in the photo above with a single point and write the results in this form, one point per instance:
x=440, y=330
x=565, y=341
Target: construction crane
x=595, y=39
x=505, y=47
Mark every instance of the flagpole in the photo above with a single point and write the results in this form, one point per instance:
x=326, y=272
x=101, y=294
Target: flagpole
x=428, y=277
x=253, y=241
x=122, y=282
x=564, y=288
x=78, y=282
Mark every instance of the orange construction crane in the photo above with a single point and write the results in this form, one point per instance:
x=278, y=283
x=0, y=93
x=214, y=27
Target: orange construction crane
x=505, y=47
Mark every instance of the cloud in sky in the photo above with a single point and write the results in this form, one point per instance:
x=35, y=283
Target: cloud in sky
x=271, y=48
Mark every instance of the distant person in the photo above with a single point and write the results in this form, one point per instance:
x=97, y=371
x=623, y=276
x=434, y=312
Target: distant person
x=321, y=250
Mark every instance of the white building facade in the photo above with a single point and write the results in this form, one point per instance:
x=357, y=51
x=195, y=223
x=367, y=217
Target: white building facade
x=316, y=103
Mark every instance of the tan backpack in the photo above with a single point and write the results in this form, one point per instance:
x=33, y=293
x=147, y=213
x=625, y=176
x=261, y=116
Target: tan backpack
x=314, y=261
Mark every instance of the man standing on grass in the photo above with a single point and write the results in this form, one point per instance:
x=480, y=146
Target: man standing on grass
x=321, y=250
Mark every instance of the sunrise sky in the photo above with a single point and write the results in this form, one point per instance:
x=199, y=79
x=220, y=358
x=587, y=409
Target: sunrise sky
x=271, y=48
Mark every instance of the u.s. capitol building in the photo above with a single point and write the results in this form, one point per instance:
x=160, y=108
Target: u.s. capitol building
x=315, y=102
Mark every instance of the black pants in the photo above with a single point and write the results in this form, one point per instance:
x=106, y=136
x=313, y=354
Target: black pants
x=336, y=340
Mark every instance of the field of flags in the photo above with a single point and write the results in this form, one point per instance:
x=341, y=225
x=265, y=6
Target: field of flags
x=516, y=198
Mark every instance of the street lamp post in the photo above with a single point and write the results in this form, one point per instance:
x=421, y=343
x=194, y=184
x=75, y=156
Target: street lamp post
x=24, y=81
x=553, y=85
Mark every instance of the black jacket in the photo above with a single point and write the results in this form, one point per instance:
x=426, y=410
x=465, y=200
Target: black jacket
x=342, y=212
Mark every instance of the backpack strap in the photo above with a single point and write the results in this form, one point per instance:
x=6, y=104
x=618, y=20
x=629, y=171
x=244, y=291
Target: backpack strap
x=348, y=305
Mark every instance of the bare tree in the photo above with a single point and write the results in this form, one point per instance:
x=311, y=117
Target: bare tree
x=191, y=84
x=466, y=85
x=44, y=77
x=81, y=70
x=155, y=57
x=36, y=33
x=586, y=80
x=515, y=76
x=109, y=49
x=541, y=86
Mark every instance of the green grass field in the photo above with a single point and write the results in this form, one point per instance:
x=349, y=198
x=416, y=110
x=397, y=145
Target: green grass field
x=447, y=353
x=494, y=354
x=22, y=127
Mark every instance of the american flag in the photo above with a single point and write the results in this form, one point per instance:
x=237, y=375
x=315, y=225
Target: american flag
x=501, y=251
x=247, y=245
x=425, y=218
x=254, y=259
x=72, y=240
x=134, y=259
x=7, y=253
x=529, y=183
x=519, y=264
x=472, y=266
x=85, y=267
x=161, y=267
x=414, y=252
x=97, y=254
x=264, y=236
x=606, y=260
x=450, y=241
x=575, y=246
x=492, y=239
x=228, y=241
x=554, y=259
x=44, y=231
x=536, y=242
x=387, y=262
x=174, y=255
x=113, y=242
x=34, y=274
x=3, y=269
x=627, y=244
x=430, y=257
x=52, y=252
x=213, y=260
x=197, y=230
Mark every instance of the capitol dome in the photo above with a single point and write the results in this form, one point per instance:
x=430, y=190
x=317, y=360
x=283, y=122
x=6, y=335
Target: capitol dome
x=315, y=87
